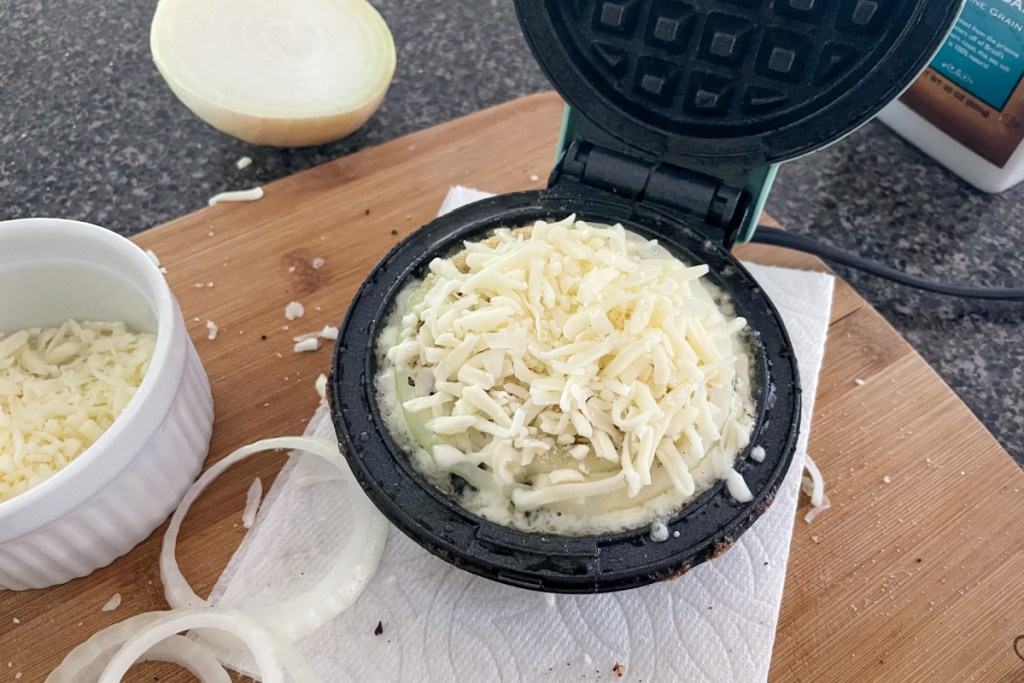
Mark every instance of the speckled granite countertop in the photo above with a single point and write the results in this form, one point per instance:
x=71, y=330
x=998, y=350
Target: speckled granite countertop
x=88, y=130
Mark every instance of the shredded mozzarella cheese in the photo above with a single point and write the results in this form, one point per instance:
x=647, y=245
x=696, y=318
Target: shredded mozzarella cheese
x=328, y=332
x=561, y=344
x=813, y=484
x=307, y=345
x=237, y=196
x=294, y=310
x=252, y=503
x=112, y=604
x=60, y=389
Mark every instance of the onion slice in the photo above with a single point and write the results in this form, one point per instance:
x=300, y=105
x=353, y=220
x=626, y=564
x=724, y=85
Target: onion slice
x=302, y=72
x=268, y=652
x=85, y=663
x=336, y=590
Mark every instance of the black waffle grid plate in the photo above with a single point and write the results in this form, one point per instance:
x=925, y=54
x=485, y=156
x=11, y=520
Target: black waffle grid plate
x=766, y=79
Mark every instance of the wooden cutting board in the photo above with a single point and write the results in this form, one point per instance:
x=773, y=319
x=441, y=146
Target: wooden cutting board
x=915, y=574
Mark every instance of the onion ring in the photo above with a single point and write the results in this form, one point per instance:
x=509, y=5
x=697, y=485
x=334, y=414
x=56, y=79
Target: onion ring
x=258, y=640
x=332, y=594
x=85, y=663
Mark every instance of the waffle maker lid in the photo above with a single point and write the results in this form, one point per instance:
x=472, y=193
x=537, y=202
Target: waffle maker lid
x=723, y=87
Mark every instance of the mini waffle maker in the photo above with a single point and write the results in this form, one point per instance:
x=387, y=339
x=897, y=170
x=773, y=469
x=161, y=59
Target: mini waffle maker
x=680, y=112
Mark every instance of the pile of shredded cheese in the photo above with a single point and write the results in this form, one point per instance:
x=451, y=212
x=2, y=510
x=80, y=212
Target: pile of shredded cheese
x=579, y=378
x=60, y=389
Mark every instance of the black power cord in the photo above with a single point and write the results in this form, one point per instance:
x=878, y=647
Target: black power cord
x=788, y=240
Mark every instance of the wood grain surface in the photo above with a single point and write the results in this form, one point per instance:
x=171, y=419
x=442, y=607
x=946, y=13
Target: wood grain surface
x=915, y=574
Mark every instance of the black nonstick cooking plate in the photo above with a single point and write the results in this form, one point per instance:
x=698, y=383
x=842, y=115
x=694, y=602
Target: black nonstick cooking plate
x=706, y=527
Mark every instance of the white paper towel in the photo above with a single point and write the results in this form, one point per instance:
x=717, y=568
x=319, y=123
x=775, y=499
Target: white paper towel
x=716, y=623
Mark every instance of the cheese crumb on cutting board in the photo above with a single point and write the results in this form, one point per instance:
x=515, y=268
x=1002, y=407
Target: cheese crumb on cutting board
x=112, y=604
x=252, y=502
x=60, y=389
x=565, y=344
x=307, y=345
x=250, y=195
x=294, y=310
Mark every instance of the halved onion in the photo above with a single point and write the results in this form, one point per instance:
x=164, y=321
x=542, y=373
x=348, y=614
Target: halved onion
x=269, y=653
x=295, y=73
x=85, y=663
x=338, y=588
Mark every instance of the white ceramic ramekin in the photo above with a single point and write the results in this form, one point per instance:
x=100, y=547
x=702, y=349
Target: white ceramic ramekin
x=115, y=493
